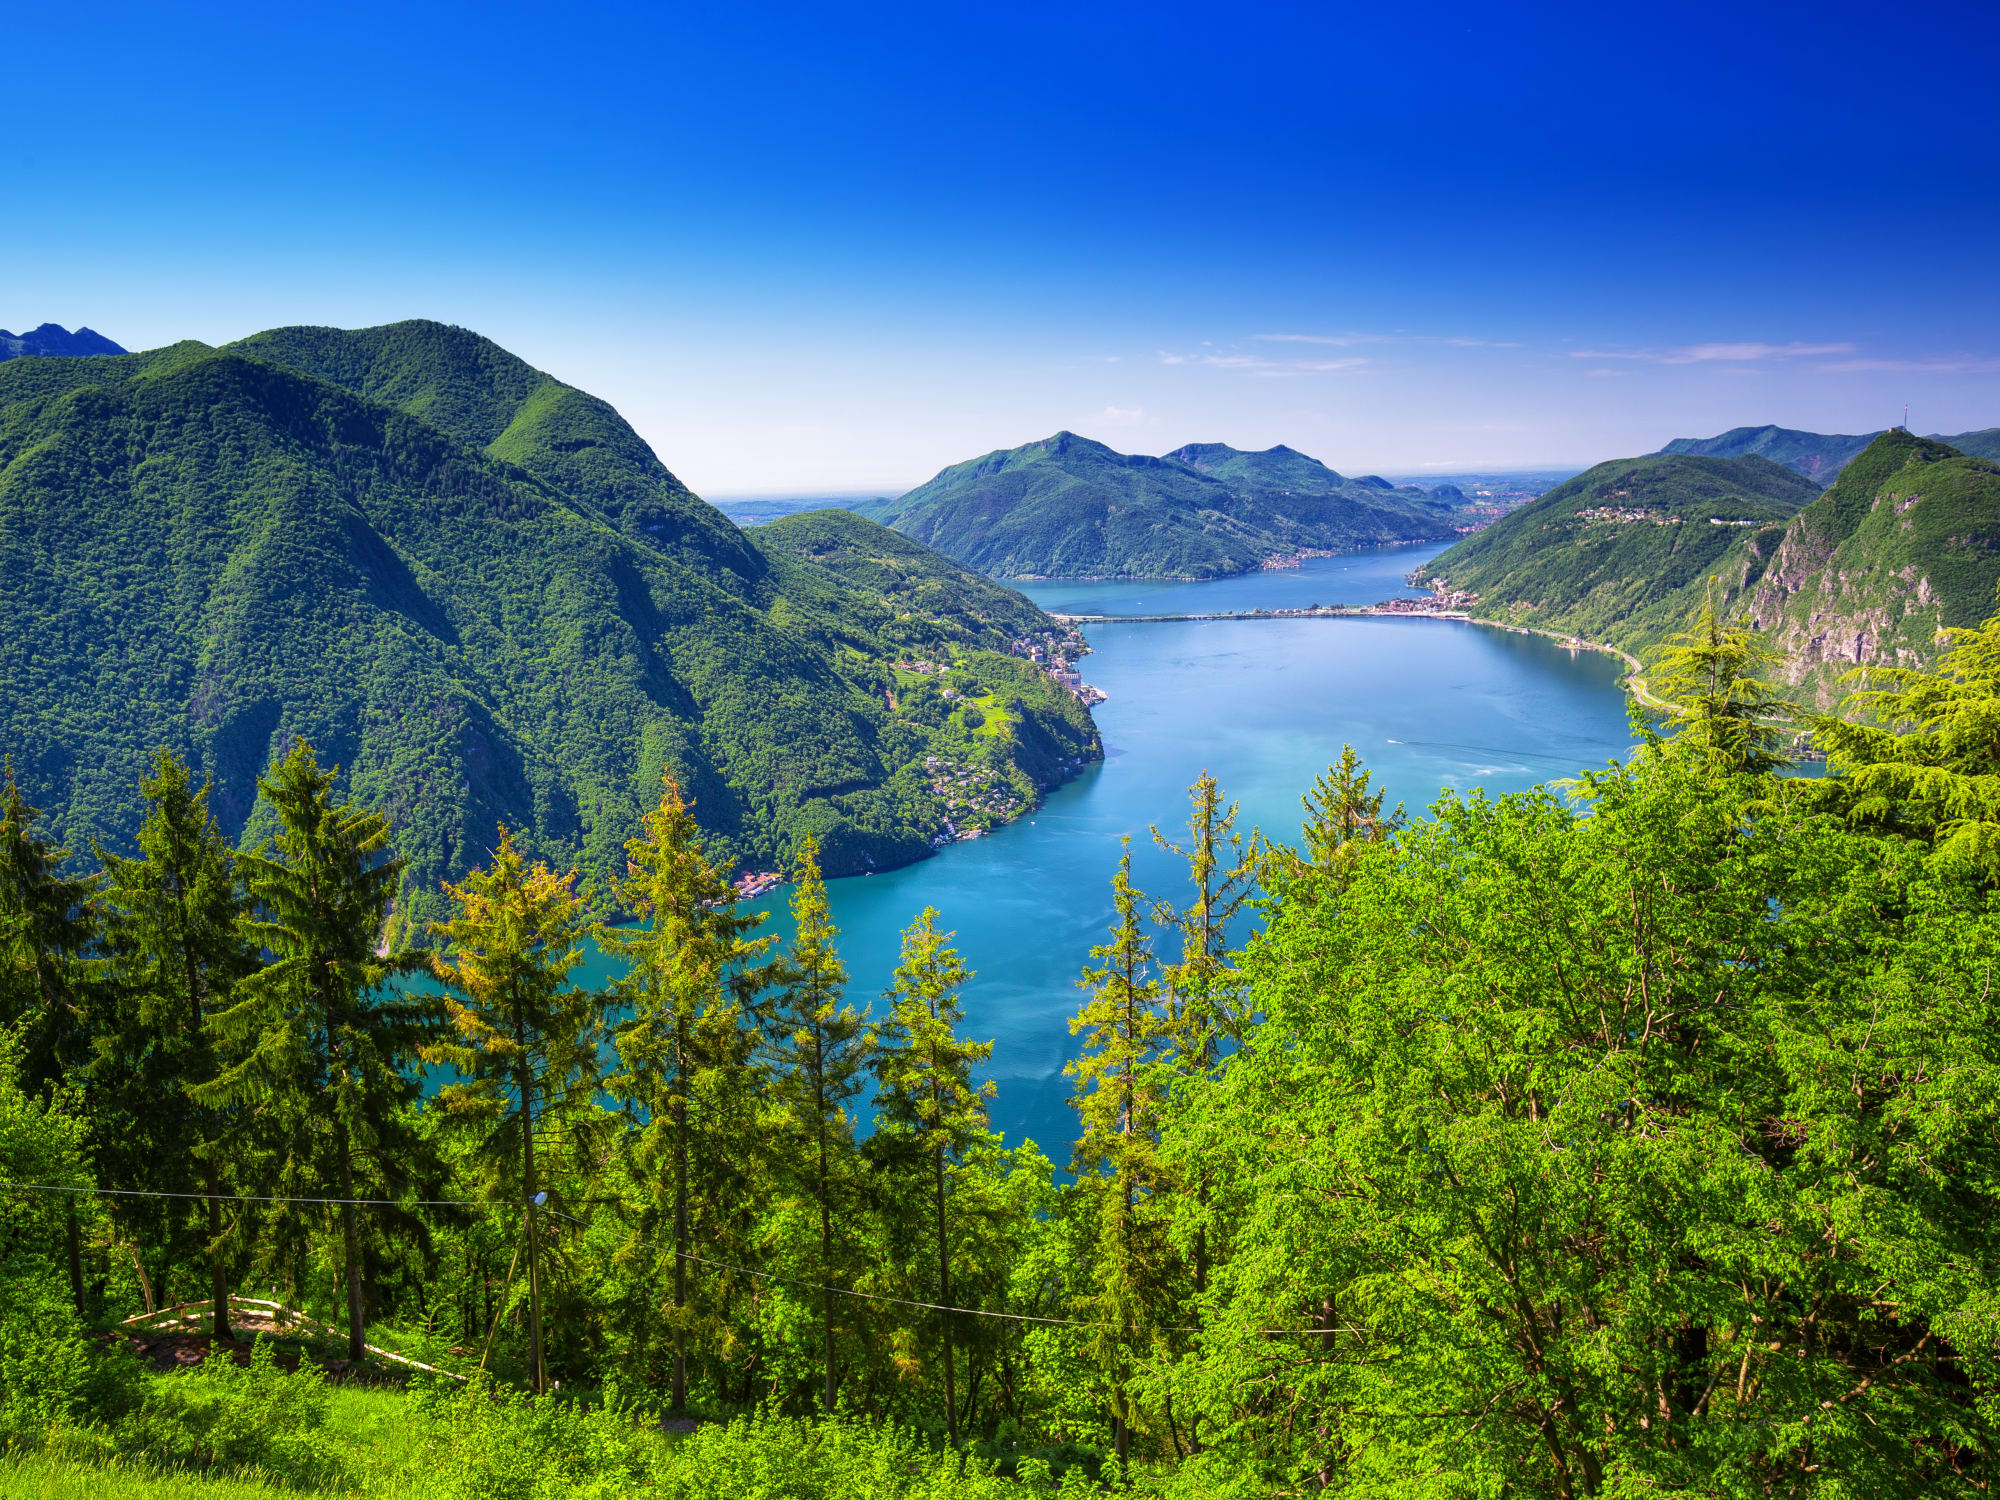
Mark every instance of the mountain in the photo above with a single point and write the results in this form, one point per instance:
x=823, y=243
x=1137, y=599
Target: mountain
x=1071, y=507
x=1817, y=455
x=1905, y=543
x=53, y=338
x=1598, y=552
x=478, y=590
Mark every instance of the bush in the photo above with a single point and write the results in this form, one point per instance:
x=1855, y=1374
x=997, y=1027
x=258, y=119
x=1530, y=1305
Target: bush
x=222, y=1416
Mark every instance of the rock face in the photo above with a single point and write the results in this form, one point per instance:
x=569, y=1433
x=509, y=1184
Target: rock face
x=1904, y=546
x=54, y=339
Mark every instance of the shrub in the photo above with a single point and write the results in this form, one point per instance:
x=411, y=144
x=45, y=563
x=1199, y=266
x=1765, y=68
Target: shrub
x=239, y=1419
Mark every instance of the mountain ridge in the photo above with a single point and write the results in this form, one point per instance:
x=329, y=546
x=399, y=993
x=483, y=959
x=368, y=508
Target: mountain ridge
x=217, y=552
x=54, y=340
x=1070, y=506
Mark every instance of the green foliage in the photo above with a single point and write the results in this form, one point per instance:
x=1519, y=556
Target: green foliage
x=1723, y=714
x=1921, y=755
x=46, y=933
x=474, y=587
x=233, y=1419
x=1650, y=1149
x=1070, y=507
x=322, y=1046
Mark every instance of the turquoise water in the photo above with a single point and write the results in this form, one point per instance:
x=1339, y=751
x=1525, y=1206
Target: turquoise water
x=1265, y=704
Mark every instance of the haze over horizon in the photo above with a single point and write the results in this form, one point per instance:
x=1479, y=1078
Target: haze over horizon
x=1551, y=238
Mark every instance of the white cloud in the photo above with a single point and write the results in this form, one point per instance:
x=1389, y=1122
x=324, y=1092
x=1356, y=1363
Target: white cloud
x=1339, y=340
x=1257, y=364
x=1936, y=364
x=1695, y=354
x=1122, y=416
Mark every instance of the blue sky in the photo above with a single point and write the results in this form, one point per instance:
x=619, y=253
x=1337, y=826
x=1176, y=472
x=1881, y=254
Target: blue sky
x=820, y=249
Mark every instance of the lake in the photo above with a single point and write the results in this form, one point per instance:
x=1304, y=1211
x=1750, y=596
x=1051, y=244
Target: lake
x=1265, y=705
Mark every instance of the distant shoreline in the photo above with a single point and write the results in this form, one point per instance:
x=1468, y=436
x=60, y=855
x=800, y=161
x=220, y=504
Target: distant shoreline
x=1633, y=681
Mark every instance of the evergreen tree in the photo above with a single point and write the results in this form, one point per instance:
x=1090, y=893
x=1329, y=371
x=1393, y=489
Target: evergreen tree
x=819, y=1048
x=521, y=1038
x=1921, y=754
x=328, y=1048
x=1723, y=713
x=1119, y=1100
x=928, y=1097
x=178, y=953
x=686, y=1052
x=1205, y=993
x=1343, y=816
x=48, y=933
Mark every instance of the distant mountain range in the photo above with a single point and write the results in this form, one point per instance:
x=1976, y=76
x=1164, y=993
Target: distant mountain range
x=1906, y=541
x=53, y=338
x=1071, y=507
x=481, y=593
x=1820, y=456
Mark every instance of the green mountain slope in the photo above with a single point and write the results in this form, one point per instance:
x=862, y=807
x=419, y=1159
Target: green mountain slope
x=218, y=552
x=1817, y=455
x=1602, y=549
x=1071, y=507
x=1906, y=542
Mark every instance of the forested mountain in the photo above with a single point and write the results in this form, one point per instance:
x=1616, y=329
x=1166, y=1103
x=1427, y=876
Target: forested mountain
x=53, y=338
x=1817, y=455
x=1905, y=542
x=1071, y=507
x=472, y=586
x=1602, y=548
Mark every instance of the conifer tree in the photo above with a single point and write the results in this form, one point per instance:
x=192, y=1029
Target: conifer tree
x=1119, y=1100
x=1203, y=988
x=327, y=1047
x=1920, y=754
x=1723, y=713
x=48, y=932
x=521, y=1038
x=1343, y=815
x=174, y=917
x=686, y=1052
x=928, y=1096
x=820, y=1045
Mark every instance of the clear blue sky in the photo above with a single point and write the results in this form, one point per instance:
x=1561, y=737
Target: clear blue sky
x=825, y=248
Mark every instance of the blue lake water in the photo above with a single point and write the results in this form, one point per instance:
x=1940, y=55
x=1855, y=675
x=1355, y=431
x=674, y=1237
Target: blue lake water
x=1265, y=705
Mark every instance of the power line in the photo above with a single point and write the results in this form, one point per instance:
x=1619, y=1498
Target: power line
x=817, y=1286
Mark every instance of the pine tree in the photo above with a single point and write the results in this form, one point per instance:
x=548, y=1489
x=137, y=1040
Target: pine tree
x=328, y=1049
x=521, y=1038
x=1119, y=1101
x=686, y=1052
x=1723, y=713
x=928, y=1096
x=48, y=933
x=174, y=917
x=1205, y=991
x=1920, y=755
x=819, y=1048
x=1343, y=816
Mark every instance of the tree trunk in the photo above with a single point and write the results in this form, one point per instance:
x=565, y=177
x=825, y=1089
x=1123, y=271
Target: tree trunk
x=75, y=1246
x=944, y=1288
x=537, y=1375
x=680, y=1220
x=218, y=1273
x=351, y=1234
x=826, y=1270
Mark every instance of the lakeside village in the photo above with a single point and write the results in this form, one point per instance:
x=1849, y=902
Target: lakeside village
x=976, y=798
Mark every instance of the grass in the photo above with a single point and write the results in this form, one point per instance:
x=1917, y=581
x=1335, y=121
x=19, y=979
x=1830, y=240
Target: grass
x=48, y=1476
